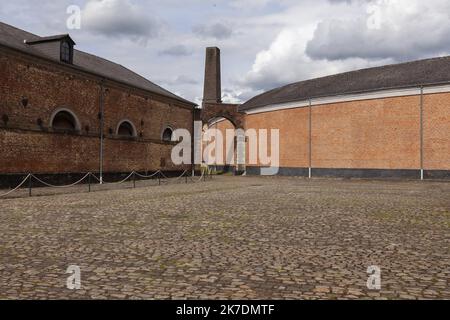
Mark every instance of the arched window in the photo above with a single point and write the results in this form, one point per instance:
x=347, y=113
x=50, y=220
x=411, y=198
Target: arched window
x=167, y=135
x=64, y=120
x=126, y=129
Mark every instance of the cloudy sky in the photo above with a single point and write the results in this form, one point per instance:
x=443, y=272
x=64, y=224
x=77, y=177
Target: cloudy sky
x=264, y=43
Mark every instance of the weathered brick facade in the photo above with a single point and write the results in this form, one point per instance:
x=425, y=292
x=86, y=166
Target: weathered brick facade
x=390, y=121
x=31, y=89
x=381, y=134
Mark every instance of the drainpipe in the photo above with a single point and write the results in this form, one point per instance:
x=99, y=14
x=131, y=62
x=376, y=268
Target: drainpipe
x=194, y=116
x=102, y=121
x=421, y=136
x=310, y=140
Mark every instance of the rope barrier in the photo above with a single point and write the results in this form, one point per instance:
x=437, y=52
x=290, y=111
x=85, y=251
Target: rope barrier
x=88, y=175
x=199, y=179
x=182, y=175
x=120, y=182
x=93, y=175
x=66, y=186
x=163, y=175
x=166, y=177
x=16, y=188
x=147, y=177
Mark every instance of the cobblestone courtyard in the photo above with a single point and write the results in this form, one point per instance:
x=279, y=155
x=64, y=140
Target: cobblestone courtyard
x=231, y=238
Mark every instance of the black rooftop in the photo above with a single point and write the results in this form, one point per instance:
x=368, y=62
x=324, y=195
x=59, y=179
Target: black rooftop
x=21, y=40
x=403, y=75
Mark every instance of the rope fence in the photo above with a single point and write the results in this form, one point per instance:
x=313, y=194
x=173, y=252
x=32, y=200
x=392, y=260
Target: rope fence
x=66, y=186
x=159, y=175
x=18, y=187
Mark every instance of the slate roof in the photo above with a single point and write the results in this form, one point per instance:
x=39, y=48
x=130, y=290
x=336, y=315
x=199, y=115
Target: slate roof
x=51, y=38
x=403, y=75
x=15, y=38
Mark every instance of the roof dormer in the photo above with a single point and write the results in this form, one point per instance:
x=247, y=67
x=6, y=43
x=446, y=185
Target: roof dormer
x=58, y=47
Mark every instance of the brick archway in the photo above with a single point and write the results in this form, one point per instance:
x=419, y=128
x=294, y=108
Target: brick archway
x=213, y=111
x=222, y=110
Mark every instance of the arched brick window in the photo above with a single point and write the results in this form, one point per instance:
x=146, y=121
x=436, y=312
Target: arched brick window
x=167, y=134
x=64, y=120
x=126, y=129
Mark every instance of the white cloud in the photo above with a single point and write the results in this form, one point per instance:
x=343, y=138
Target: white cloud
x=264, y=43
x=338, y=39
x=408, y=29
x=216, y=30
x=249, y=4
x=120, y=18
x=176, y=50
x=181, y=80
x=285, y=62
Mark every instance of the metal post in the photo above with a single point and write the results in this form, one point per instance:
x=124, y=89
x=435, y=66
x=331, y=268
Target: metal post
x=89, y=182
x=30, y=185
x=134, y=180
x=421, y=136
x=102, y=117
x=310, y=140
x=159, y=178
x=194, y=112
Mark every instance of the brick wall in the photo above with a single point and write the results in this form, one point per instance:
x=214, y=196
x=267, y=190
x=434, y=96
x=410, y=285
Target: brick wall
x=437, y=131
x=294, y=133
x=38, y=152
x=28, y=147
x=378, y=134
x=369, y=134
x=222, y=126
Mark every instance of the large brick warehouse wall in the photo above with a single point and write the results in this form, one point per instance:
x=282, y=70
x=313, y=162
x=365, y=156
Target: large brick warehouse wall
x=29, y=144
x=367, y=138
x=382, y=122
x=382, y=137
x=401, y=132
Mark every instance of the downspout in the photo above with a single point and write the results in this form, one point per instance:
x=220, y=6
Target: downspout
x=421, y=136
x=102, y=121
x=310, y=140
x=193, y=141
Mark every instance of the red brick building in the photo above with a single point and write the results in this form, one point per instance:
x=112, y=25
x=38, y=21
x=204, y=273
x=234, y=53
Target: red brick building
x=56, y=102
x=389, y=121
x=65, y=112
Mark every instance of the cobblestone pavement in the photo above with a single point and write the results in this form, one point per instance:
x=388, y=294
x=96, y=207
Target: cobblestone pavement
x=231, y=238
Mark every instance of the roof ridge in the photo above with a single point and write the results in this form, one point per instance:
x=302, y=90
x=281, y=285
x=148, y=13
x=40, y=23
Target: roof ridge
x=364, y=69
x=18, y=29
x=14, y=37
x=405, y=74
x=128, y=69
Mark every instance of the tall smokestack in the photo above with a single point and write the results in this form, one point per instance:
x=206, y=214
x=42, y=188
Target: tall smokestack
x=212, y=92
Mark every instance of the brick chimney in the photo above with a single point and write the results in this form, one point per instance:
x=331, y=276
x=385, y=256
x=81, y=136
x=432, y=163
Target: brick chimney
x=212, y=92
